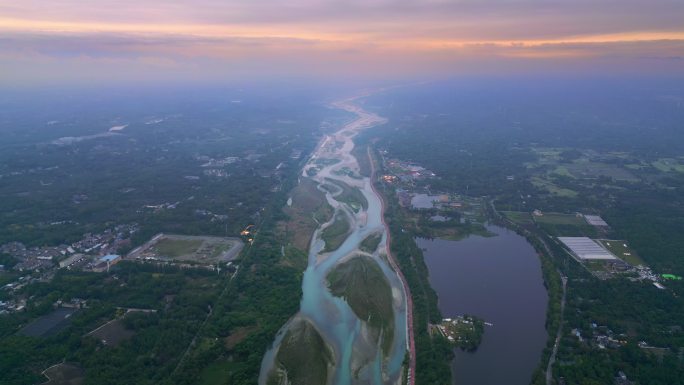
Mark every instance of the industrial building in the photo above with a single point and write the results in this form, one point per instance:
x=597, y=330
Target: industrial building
x=586, y=249
x=104, y=263
x=595, y=220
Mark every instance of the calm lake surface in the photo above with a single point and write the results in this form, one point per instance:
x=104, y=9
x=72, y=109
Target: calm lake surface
x=498, y=279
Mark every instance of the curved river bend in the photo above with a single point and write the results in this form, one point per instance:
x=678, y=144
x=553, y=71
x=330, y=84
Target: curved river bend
x=332, y=316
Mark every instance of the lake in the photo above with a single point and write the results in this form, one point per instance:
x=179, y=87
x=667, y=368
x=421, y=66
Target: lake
x=500, y=280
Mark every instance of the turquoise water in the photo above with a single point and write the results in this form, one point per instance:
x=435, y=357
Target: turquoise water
x=332, y=316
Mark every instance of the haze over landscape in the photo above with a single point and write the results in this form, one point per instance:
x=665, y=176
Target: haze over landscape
x=466, y=192
x=77, y=41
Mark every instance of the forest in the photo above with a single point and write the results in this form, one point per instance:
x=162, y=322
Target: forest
x=194, y=163
x=208, y=163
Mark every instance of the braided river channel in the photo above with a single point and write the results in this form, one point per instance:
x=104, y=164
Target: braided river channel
x=360, y=353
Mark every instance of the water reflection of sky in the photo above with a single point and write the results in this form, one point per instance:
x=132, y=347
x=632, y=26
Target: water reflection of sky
x=499, y=279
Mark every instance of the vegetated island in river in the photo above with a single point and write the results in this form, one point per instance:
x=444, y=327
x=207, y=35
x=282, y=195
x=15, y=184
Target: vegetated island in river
x=464, y=331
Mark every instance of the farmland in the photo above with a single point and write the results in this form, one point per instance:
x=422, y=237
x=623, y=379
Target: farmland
x=559, y=224
x=521, y=218
x=620, y=249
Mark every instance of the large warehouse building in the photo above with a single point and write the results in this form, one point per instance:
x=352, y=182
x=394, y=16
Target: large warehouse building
x=586, y=249
x=595, y=220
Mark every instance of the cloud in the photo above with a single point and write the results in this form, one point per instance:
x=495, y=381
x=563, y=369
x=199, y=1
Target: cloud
x=370, y=37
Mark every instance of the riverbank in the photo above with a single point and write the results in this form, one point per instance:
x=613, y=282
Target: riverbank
x=432, y=365
x=411, y=376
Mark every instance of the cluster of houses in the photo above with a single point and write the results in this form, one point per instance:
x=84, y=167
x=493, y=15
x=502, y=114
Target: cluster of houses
x=216, y=163
x=12, y=305
x=214, y=217
x=66, y=256
x=405, y=172
x=644, y=273
x=601, y=337
x=94, y=252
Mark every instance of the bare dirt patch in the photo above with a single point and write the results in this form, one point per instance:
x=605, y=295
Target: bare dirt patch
x=112, y=333
x=63, y=374
x=237, y=336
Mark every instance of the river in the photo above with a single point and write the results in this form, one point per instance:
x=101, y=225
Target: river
x=356, y=360
x=498, y=279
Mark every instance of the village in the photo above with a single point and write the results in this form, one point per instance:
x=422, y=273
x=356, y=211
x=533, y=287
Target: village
x=94, y=253
x=44, y=258
x=97, y=253
x=433, y=214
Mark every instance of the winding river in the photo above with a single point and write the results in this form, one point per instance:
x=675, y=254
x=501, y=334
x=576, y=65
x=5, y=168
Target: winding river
x=356, y=359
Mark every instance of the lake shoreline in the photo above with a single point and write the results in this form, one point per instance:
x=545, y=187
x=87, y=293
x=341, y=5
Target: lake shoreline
x=492, y=278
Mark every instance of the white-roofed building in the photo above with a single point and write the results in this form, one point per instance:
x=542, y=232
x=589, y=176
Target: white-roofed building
x=586, y=249
x=595, y=220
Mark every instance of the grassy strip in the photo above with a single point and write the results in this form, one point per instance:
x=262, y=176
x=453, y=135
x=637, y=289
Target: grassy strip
x=360, y=152
x=433, y=353
x=370, y=244
x=335, y=234
x=361, y=282
x=352, y=196
x=308, y=209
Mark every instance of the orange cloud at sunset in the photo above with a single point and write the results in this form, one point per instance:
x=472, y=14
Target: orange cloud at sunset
x=357, y=37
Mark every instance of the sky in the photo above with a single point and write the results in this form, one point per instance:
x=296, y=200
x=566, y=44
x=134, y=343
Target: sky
x=90, y=41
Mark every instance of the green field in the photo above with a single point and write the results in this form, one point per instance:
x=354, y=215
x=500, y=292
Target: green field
x=669, y=164
x=174, y=248
x=195, y=249
x=519, y=217
x=309, y=208
x=569, y=225
x=562, y=170
x=561, y=219
x=552, y=188
x=622, y=251
x=586, y=168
